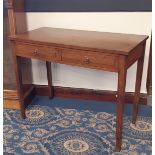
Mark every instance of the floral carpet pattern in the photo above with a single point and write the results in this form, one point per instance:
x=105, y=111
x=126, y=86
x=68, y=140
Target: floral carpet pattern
x=62, y=131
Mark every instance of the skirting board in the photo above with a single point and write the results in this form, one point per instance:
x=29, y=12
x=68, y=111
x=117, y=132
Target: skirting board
x=11, y=99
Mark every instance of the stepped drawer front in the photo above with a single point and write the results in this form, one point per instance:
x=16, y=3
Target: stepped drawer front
x=90, y=59
x=38, y=52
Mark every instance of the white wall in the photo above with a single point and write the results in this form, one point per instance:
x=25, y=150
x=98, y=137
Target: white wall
x=68, y=76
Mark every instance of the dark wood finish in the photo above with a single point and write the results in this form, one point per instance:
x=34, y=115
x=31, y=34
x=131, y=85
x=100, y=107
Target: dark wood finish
x=17, y=24
x=99, y=50
x=20, y=88
x=49, y=78
x=19, y=7
x=120, y=101
x=42, y=90
x=84, y=40
x=28, y=98
x=136, y=53
x=19, y=85
x=27, y=90
x=9, y=81
x=149, y=72
x=11, y=101
x=90, y=59
x=11, y=17
x=16, y=16
x=37, y=52
x=88, y=94
x=138, y=85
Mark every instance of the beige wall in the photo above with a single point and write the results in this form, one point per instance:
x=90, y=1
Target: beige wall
x=63, y=75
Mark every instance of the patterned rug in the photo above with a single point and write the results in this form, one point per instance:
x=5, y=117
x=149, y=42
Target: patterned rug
x=75, y=128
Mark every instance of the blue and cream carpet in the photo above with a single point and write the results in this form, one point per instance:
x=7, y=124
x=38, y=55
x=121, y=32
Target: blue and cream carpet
x=75, y=127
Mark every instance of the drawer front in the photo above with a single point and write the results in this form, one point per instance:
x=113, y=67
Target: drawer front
x=96, y=60
x=38, y=52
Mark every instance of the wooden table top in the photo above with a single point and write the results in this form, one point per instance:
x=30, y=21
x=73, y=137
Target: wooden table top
x=80, y=39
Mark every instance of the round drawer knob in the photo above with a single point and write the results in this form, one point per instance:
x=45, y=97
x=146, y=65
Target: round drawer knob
x=86, y=60
x=36, y=52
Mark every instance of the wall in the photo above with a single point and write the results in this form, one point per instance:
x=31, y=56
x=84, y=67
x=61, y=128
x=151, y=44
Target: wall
x=68, y=76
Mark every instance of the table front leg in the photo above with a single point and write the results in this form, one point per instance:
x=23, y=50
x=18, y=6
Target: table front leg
x=137, y=88
x=49, y=78
x=19, y=85
x=120, y=101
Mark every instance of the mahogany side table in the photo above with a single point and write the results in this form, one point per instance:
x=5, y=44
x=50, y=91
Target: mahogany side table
x=112, y=52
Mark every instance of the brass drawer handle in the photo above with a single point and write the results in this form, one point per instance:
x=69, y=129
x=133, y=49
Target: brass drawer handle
x=86, y=60
x=36, y=52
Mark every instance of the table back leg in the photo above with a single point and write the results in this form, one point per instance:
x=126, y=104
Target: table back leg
x=49, y=78
x=138, y=86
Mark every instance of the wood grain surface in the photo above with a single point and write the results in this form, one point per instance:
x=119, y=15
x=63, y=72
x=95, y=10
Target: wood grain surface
x=79, y=39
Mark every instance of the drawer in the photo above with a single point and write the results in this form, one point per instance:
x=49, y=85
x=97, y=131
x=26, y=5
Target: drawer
x=38, y=52
x=97, y=60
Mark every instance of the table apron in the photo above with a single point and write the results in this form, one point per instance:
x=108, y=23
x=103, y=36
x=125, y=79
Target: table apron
x=74, y=57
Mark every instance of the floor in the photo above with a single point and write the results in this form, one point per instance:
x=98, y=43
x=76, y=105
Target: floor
x=75, y=127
